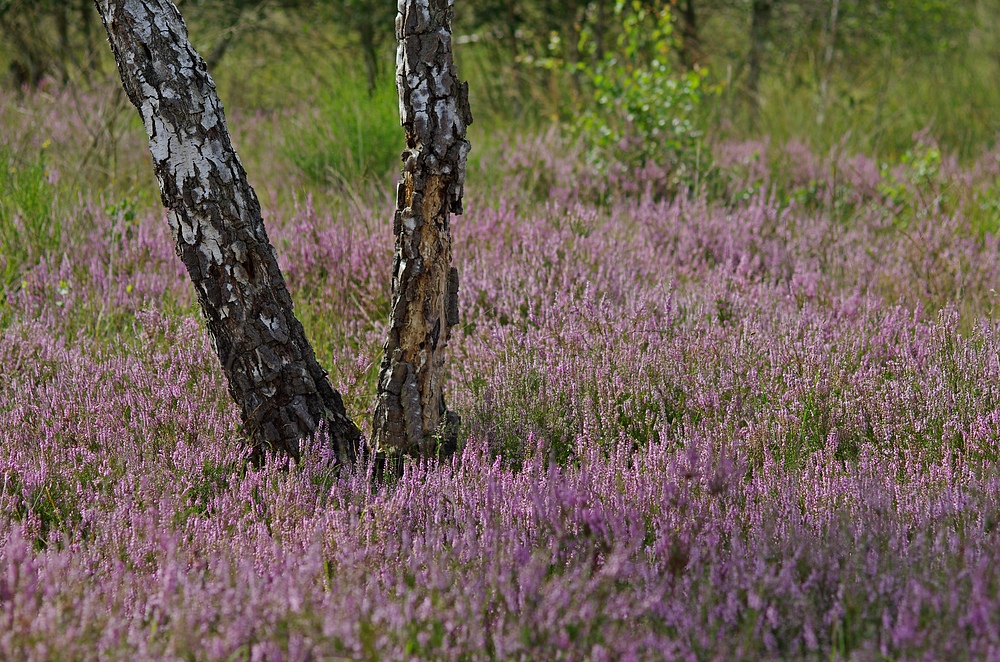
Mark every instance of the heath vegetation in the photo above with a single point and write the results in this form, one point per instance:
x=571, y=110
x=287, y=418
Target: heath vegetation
x=727, y=361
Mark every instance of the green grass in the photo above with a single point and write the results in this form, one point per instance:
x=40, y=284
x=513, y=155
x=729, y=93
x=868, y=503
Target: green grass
x=351, y=137
x=28, y=227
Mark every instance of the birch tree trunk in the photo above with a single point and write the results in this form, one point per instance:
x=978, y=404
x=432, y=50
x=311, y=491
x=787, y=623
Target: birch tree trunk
x=410, y=413
x=282, y=392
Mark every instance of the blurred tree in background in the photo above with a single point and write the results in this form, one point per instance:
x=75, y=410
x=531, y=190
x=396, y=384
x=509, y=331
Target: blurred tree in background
x=48, y=37
x=810, y=69
x=369, y=22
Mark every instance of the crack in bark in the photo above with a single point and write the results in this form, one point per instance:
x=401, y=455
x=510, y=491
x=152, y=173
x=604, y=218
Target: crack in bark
x=282, y=391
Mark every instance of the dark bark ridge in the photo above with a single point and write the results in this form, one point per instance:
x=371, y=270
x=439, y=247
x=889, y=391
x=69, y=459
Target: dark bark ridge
x=281, y=390
x=410, y=413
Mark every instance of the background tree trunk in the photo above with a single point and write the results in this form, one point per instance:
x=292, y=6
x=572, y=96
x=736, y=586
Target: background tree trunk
x=410, y=413
x=691, y=55
x=282, y=392
x=369, y=45
x=760, y=28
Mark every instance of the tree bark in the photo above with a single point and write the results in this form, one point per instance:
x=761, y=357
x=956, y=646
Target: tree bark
x=410, y=413
x=282, y=392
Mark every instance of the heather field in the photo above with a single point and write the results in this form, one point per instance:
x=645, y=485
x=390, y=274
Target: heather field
x=756, y=421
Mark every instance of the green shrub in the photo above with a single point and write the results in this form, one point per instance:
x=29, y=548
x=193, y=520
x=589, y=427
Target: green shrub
x=642, y=112
x=353, y=136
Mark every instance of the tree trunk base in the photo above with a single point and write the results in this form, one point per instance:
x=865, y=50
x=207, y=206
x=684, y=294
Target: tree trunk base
x=390, y=466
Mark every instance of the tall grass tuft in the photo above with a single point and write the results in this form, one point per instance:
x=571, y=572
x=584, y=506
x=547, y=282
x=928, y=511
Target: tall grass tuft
x=28, y=228
x=352, y=137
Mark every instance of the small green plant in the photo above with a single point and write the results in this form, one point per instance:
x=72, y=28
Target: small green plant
x=919, y=186
x=985, y=216
x=28, y=228
x=353, y=136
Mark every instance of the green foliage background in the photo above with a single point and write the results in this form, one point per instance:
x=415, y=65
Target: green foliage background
x=353, y=135
x=878, y=69
x=28, y=227
x=638, y=84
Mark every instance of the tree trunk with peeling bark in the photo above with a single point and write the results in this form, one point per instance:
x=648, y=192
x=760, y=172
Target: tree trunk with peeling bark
x=282, y=392
x=410, y=413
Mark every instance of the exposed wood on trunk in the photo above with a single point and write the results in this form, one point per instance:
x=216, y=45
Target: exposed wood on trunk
x=410, y=413
x=282, y=392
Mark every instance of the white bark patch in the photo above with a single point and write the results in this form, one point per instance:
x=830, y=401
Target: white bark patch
x=185, y=159
x=277, y=327
x=167, y=24
x=230, y=293
x=424, y=7
x=141, y=18
x=211, y=243
x=159, y=141
x=184, y=58
x=239, y=251
x=189, y=233
x=241, y=275
x=173, y=221
x=209, y=120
